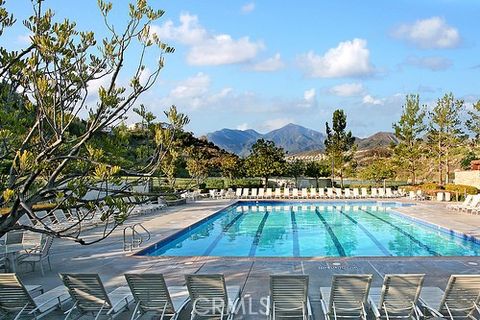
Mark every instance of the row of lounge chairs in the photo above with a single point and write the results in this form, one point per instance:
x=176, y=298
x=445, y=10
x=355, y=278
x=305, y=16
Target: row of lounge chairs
x=349, y=296
x=60, y=219
x=315, y=193
x=470, y=205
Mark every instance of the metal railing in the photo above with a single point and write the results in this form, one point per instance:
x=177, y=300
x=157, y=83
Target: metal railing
x=136, y=238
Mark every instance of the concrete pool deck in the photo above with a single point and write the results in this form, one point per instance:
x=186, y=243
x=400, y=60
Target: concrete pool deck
x=108, y=259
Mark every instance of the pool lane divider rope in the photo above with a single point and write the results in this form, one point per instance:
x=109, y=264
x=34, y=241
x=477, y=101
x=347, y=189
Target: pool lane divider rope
x=408, y=235
x=258, y=234
x=222, y=233
x=334, y=238
x=361, y=227
x=296, y=246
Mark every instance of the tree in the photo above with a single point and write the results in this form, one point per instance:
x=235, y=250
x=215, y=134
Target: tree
x=445, y=133
x=265, y=160
x=230, y=165
x=58, y=159
x=409, y=151
x=295, y=169
x=339, y=144
x=473, y=123
x=198, y=165
x=378, y=170
x=317, y=169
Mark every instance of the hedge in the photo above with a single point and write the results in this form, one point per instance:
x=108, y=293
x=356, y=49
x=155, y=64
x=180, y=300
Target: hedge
x=461, y=189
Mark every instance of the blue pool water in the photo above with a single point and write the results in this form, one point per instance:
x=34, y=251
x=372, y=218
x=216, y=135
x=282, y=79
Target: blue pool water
x=292, y=229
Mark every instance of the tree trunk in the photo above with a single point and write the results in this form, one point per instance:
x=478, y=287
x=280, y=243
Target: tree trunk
x=316, y=180
x=266, y=182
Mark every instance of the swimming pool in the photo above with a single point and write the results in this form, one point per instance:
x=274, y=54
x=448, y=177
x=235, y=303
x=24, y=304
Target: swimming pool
x=293, y=229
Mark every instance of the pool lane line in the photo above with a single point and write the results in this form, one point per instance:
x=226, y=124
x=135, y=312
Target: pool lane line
x=371, y=236
x=222, y=233
x=258, y=234
x=334, y=238
x=296, y=246
x=408, y=235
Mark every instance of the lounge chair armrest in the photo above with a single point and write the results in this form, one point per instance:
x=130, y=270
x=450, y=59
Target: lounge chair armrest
x=120, y=301
x=429, y=309
x=60, y=302
x=324, y=308
x=374, y=308
x=267, y=311
x=309, y=308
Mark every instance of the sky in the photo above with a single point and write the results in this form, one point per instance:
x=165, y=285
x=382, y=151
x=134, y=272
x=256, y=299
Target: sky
x=266, y=63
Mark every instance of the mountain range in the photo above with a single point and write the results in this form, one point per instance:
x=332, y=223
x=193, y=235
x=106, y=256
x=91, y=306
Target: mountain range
x=292, y=138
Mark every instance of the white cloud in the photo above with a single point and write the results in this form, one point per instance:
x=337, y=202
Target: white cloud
x=269, y=65
x=244, y=126
x=347, y=89
x=431, y=63
x=348, y=59
x=310, y=95
x=273, y=124
x=368, y=99
x=207, y=48
x=248, y=7
x=24, y=38
x=431, y=33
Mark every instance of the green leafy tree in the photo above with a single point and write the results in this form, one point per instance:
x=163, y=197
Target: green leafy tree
x=445, y=133
x=339, y=144
x=58, y=157
x=473, y=122
x=378, y=170
x=231, y=166
x=265, y=160
x=409, y=151
x=198, y=165
x=317, y=169
x=295, y=169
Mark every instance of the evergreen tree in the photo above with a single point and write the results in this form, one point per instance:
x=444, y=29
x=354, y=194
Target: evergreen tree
x=445, y=133
x=408, y=152
x=339, y=144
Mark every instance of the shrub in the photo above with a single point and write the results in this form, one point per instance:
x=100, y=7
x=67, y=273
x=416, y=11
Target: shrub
x=215, y=184
x=246, y=183
x=461, y=189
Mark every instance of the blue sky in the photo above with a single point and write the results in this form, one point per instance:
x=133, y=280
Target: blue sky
x=263, y=64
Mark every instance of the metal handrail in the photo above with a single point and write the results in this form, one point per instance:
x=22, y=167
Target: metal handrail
x=136, y=236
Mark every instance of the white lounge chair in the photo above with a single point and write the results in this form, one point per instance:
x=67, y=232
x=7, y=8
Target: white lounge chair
x=474, y=205
x=278, y=193
x=288, y=297
x=313, y=193
x=152, y=296
x=321, y=193
x=330, y=193
x=16, y=301
x=365, y=193
x=286, y=193
x=356, y=193
x=211, y=297
x=254, y=193
x=268, y=193
x=38, y=255
x=461, y=299
x=261, y=193
x=374, y=193
x=388, y=193
x=398, y=297
x=338, y=192
x=304, y=193
x=348, y=193
x=295, y=193
x=245, y=193
x=347, y=297
x=238, y=193
x=381, y=193
x=90, y=297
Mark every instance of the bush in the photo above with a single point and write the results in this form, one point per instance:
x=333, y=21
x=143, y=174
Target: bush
x=461, y=189
x=214, y=184
x=246, y=183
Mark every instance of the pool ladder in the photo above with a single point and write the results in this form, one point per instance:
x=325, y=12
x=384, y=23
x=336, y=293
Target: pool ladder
x=136, y=238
